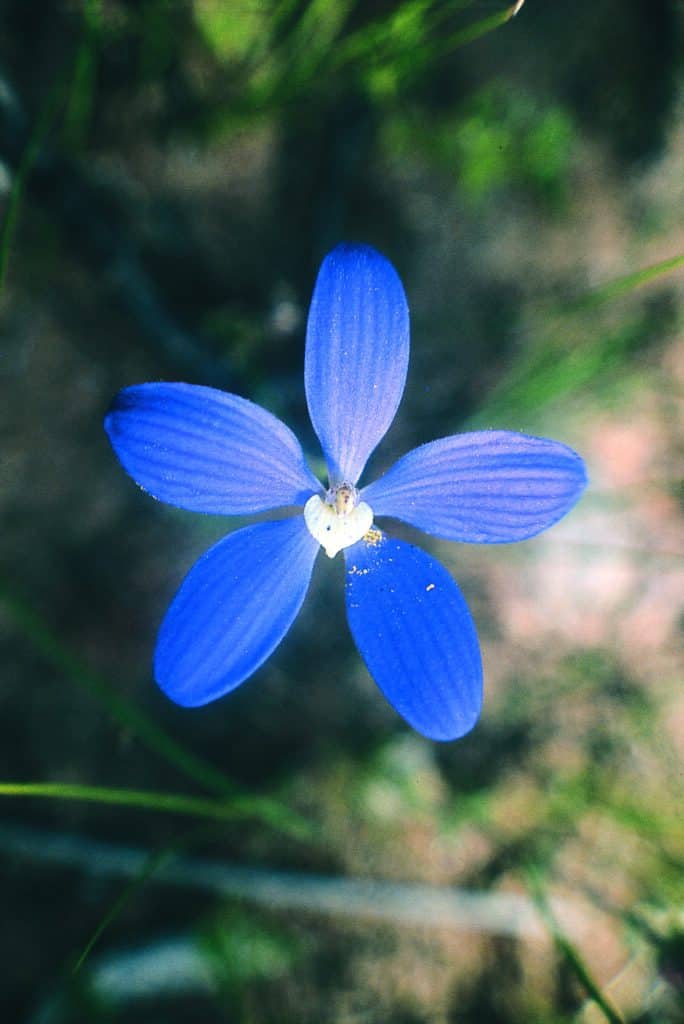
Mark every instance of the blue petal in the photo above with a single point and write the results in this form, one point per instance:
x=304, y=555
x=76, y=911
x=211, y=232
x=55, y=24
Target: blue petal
x=207, y=451
x=415, y=634
x=234, y=607
x=487, y=487
x=357, y=348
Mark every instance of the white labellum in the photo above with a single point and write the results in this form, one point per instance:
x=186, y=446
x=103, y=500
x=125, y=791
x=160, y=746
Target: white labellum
x=336, y=530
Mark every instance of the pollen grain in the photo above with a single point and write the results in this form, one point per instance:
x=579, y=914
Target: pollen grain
x=373, y=537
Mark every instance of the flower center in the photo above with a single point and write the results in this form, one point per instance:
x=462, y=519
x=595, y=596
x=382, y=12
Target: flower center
x=338, y=521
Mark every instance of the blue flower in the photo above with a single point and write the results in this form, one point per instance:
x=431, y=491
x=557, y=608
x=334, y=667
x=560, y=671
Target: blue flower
x=208, y=451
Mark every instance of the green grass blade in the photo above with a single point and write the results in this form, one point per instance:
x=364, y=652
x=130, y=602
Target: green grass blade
x=376, y=44
x=238, y=808
x=48, y=644
x=628, y=282
x=123, y=899
x=33, y=146
x=155, y=861
x=397, y=43
x=421, y=59
x=471, y=33
x=81, y=101
x=77, y=115
x=568, y=951
x=547, y=371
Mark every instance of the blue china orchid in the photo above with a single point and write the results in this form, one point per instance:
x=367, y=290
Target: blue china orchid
x=208, y=451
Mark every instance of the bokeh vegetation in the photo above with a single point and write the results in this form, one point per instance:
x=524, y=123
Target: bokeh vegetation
x=171, y=174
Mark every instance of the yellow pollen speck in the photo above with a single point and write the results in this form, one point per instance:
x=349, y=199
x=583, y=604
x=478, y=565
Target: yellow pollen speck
x=430, y=586
x=373, y=537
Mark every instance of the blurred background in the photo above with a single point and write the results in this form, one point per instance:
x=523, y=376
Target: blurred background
x=171, y=174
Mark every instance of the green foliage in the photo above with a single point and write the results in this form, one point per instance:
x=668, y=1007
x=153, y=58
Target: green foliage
x=501, y=142
x=296, y=52
x=242, y=949
x=231, y=31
